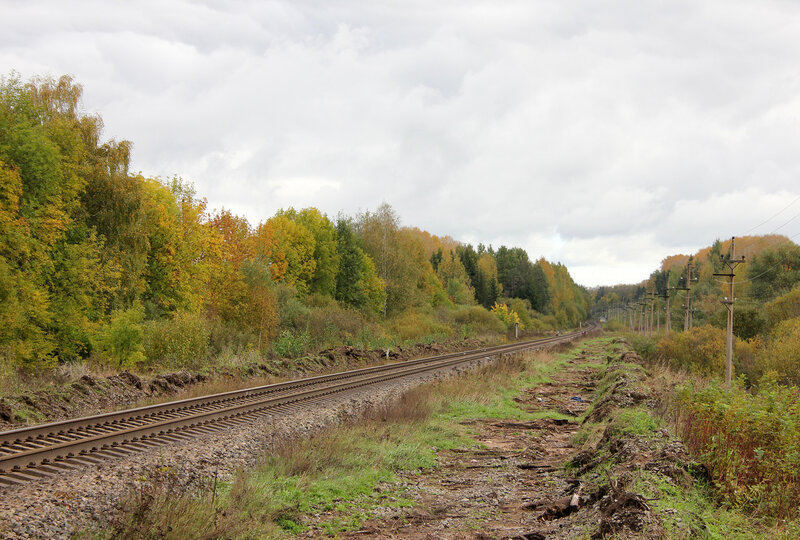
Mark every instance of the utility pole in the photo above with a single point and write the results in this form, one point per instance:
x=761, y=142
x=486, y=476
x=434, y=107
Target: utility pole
x=641, y=316
x=652, y=297
x=687, y=317
x=731, y=262
x=669, y=315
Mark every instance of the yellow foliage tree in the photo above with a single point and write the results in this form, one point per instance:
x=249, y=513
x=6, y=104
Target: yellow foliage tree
x=288, y=248
x=509, y=317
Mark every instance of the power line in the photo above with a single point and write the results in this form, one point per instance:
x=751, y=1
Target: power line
x=776, y=229
x=781, y=211
x=765, y=272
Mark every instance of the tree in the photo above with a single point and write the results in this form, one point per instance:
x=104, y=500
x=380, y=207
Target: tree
x=453, y=276
x=326, y=257
x=775, y=271
x=357, y=282
x=288, y=248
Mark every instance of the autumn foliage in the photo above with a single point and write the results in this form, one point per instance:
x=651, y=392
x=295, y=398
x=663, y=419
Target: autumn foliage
x=100, y=264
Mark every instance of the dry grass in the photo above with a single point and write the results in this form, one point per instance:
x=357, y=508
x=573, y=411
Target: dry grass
x=343, y=464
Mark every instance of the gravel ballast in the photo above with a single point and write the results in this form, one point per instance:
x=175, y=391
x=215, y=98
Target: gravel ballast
x=61, y=506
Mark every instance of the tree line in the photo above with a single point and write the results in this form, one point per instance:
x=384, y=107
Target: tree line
x=97, y=261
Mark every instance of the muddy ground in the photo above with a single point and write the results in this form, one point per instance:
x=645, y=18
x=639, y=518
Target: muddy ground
x=529, y=480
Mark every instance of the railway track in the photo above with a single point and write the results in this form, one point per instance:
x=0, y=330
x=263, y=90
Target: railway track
x=30, y=453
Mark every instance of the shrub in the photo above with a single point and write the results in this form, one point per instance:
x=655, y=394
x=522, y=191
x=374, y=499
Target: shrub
x=781, y=351
x=509, y=317
x=749, y=441
x=292, y=311
x=330, y=324
x=782, y=308
x=228, y=338
x=700, y=350
x=180, y=341
x=645, y=346
x=121, y=340
x=478, y=319
x=289, y=345
x=415, y=325
x=522, y=307
x=613, y=326
x=747, y=359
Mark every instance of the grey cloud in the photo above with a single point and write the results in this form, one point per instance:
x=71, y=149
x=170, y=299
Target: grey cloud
x=604, y=137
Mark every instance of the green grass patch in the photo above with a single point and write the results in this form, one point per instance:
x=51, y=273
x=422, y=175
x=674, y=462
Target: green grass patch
x=348, y=471
x=635, y=421
x=692, y=513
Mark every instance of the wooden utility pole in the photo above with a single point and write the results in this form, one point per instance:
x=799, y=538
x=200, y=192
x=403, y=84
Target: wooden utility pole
x=641, y=316
x=668, y=314
x=687, y=317
x=731, y=262
x=652, y=296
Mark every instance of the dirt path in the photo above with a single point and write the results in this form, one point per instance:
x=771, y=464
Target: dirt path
x=503, y=487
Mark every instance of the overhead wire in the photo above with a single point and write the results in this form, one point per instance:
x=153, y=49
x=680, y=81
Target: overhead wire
x=773, y=216
x=765, y=272
x=774, y=241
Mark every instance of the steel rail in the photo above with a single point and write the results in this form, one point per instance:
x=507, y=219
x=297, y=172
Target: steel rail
x=119, y=433
x=33, y=432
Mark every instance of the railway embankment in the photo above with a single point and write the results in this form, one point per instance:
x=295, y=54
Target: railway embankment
x=69, y=395
x=545, y=445
x=55, y=506
x=569, y=444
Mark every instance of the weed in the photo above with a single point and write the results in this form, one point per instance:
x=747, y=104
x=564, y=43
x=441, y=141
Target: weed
x=750, y=441
x=338, y=471
x=636, y=421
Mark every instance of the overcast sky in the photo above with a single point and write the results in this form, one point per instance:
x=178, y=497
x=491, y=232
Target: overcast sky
x=602, y=134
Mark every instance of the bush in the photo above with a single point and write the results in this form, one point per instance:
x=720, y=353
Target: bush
x=782, y=308
x=478, y=319
x=749, y=442
x=781, y=352
x=509, y=317
x=121, y=340
x=613, y=326
x=645, y=346
x=289, y=345
x=699, y=350
x=415, y=325
x=292, y=312
x=178, y=342
x=330, y=324
x=229, y=338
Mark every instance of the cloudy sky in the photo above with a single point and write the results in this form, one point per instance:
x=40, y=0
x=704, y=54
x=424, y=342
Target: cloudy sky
x=602, y=134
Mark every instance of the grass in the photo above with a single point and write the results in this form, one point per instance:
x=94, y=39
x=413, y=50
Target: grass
x=723, y=424
x=345, y=472
x=635, y=421
x=749, y=441
x=690, y=512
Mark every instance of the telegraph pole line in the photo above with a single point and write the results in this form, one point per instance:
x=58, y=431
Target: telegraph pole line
x=687, y=317
x=669, y=314
x=687, y=324
x=652, y=309
x=641, y=316
x=731, y=261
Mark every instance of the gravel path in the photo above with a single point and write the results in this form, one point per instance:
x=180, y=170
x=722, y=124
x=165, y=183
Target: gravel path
x=61, y=506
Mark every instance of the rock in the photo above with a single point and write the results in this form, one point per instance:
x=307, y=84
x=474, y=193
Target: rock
x=130, y=379
x=622, y=512
x=6, y=414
